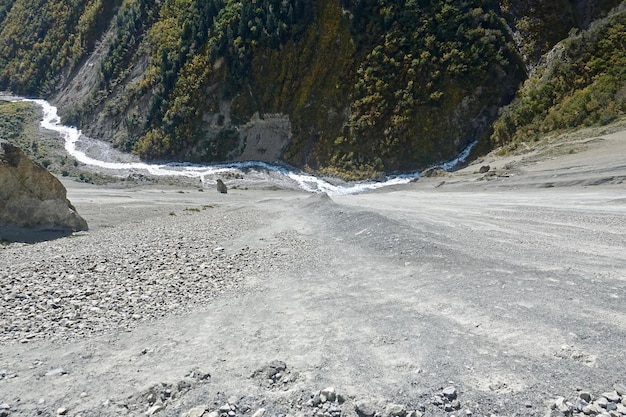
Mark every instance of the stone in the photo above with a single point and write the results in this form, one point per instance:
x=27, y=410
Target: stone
x=620, y=389
x=561, y=405
x=592, y=409
x=415, y=413
x=395, y=410
x=221, y=187
x=55, y=372
x=580, y=404
x=329, y=393
x=484, y=169
x=61, y=411
x=31, y=197
x=259, y=412
x=585, y=395
x=612, y=396
x=154, y=409
x=437, y=400
x=602, y=402
x=449, y=392
x=364, y=408
x=196, y=412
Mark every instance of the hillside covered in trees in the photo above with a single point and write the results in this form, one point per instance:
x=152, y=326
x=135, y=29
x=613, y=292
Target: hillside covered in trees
x=347, y=87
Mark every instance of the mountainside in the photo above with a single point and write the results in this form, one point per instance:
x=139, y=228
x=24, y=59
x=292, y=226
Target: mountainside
x=350, y=87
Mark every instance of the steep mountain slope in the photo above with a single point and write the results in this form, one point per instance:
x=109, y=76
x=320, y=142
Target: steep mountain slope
x=351, y=87
x=581, y=82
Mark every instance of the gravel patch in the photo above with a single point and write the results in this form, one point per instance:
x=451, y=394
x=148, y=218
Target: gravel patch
x=113, y=278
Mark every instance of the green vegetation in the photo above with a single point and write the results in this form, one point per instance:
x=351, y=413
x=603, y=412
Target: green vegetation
x=369, y=86
x=15, y=118
x=43, y=40
x=582, y=84
x=427, y=57
x=19, y=124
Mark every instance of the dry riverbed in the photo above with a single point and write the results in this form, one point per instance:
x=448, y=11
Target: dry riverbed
x=497, y=293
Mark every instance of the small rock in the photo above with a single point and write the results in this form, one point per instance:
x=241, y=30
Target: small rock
x=195, y=412
x=415, y=414
x=57, y=371
x=621, y=409
x=259, y=412
x=213, y=414
x=612, y=396
x=449, y=392
x=364, y=408
x=329, y=393
x=395, y=410
x=580, y=404
x=5, y=406
x=456, y=405
x=592, y=409
x=602, y=402
x=484, y=169
x=221, y=187
x=225, y=408
x=620, y=389
x=437, y=400
x=585, y=395
x=61, y=411
x=154, y=409
x=561, y=405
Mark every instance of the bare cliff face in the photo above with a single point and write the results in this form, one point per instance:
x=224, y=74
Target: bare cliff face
x=31, y=197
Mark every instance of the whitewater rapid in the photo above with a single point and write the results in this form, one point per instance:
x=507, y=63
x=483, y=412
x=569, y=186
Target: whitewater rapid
x=76, y=143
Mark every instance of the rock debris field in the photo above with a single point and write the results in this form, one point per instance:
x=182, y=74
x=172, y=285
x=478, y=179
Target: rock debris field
x=460, y=295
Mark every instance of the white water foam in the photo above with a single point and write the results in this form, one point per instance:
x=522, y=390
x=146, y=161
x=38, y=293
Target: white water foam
x=75, y=142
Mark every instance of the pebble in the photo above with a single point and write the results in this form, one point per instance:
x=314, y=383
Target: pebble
x=196, y=412
x=57, y=371
x=612, y=396
x=62, y=411
x=395, y=410
x=365, y=408
x=449, y=392
x=329, y=393
x=154, y=409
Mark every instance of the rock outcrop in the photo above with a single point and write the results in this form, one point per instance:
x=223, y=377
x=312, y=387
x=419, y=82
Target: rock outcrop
x=31, y=197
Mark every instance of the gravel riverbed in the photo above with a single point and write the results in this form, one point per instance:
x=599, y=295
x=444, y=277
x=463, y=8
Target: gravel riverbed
x=463, y=295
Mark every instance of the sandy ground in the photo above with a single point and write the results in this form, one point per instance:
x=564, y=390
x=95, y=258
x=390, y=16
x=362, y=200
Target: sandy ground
x=510, y=286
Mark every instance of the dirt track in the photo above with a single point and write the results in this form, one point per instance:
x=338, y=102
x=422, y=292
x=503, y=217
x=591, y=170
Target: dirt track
x=511, y=288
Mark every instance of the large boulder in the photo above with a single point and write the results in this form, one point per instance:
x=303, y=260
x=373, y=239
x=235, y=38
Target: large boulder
x=31, y=197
